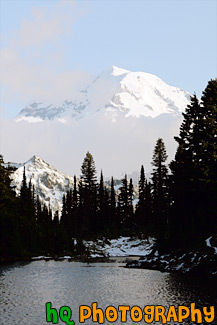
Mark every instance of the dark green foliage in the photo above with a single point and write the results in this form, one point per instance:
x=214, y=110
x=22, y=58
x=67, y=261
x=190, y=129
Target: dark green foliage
x=140, y=208
x=194, y=172
x=113, y=209
x=102, y=213
x=159, y=183
x=144, y=206
x=75, y=215
x=10, y=228
x=123, y=201
x=148, y=208
x=130, y=203
x=88, y=172
x=88, y=194
x=125, y=206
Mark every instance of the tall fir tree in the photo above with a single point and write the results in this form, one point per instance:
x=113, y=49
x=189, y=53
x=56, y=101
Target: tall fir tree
x=125, y=206
x=194, y=179
x=75, y=225
x=27, y=215
x=101, y=211
x=140, y=207
x=11, y=236
x=112, y=208
x=148, y=208
x=89, y=193
x=131, y=221
x=159, y=182
x=123, y=202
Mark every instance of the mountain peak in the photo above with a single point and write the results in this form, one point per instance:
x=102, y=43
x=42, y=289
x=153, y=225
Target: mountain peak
x=116, y=93
x=34, y=160
x=116, y=71
x=49, y=183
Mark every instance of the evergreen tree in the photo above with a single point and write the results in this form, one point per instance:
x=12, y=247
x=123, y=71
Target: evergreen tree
x=208, y=152
x=130, y=204
x=75, y=194
x=69, y=208
x=101, y=193
x=69, y=216
x=55, y=234
x=27, y=216
x=88, y=172
x=208, y=158
x=148, y=208
x=159, y=188
x=38, y=211
x=88, y=194
x=11, y=244
x=101, y=213
x=123, y=201
x=47, y=230
x=112, y=208
x=140, y=208
x=63, y=219
x=194, y=177
x=75, y=224
x=125, y=206
x=18, y=228
x=24, y=195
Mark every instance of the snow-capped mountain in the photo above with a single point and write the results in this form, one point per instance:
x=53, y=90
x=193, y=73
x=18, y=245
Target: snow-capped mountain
x=117, y=117
x=49, y=183
x=114, y=93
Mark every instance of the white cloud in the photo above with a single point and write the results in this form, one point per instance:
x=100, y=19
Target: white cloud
x=117, y=148
x=46, y=25
x=32, y=82
x=32, y=65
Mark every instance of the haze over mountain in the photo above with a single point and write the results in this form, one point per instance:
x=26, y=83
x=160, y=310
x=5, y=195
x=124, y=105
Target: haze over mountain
x=117, y=117
x=114, y=93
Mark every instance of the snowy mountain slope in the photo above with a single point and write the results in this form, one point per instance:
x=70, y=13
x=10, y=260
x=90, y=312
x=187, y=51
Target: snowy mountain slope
x=118, y=117
x=49, y=183
x=114, y=93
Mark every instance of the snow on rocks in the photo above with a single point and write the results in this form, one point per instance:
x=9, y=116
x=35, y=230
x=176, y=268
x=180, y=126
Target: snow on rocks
x=48, y=182
x=122, y=246
x=200, y=260
x=208, y=243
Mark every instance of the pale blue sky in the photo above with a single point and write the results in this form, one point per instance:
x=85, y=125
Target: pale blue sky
x=69, y=41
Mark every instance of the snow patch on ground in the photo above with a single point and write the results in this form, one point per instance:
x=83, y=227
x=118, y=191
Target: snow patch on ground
x=123, y=246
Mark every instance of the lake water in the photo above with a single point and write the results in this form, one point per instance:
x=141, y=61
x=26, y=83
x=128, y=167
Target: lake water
x=26, y=287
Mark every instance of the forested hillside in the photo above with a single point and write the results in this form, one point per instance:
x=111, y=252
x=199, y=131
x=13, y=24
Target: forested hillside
x=177, y=205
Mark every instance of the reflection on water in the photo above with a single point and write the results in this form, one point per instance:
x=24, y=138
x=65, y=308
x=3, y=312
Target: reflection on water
x=26, y=287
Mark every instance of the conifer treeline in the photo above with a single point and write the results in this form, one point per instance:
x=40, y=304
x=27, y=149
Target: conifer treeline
x=177, y=205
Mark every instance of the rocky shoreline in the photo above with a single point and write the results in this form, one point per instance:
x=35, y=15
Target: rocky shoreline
x=200, y=260
x=142, y=254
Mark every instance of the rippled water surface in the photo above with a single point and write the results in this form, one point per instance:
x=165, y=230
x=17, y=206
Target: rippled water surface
x=26, y=287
